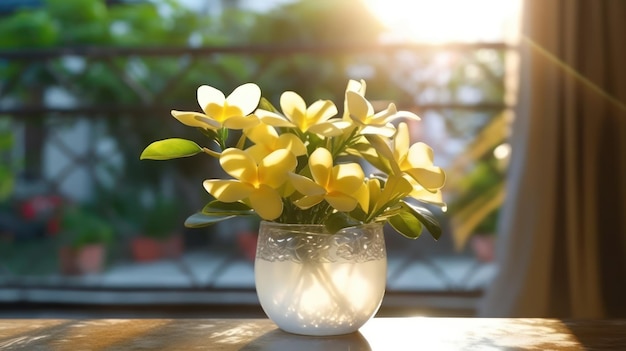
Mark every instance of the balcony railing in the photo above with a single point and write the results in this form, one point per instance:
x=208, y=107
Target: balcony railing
x=123, y=96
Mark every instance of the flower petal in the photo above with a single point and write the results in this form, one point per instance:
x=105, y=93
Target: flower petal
x=387, y=131
x=321, y=163
x=294, y=107
x=309, y=201
x=262, y=134
x=246, y=97
x=321, y=111
x=346, y=178
x=401, y=142
x=420, y=155
x=292, y=143
x=227, y=190
x=209, y=95
x=358, y=106
x=275, y=167
x=385, y=116
x=241, y=122
x=326, y=129
x=195, y=119
x=341, y=202
x=432, y=178
x=266, y=202
x=239, y=164
x=305, y=185
x=273, y=119
x=357, y=87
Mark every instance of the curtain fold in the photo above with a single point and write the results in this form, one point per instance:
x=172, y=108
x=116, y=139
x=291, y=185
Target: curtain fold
x=562, y=247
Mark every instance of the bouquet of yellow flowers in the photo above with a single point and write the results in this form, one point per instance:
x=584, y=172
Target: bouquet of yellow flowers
x=304, y=164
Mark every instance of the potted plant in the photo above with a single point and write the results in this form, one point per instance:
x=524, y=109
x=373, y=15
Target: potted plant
x=320, y=266
x=84, y=236
x=159, y=235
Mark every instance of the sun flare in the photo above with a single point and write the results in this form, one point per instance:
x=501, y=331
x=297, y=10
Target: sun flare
x=444, y=21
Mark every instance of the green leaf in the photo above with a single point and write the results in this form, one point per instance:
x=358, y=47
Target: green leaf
x=170, y=148
x=338, y=221
x=406, y=224
x=264, y=104
x=426, y=217
x=199, y=219
x=230, y=208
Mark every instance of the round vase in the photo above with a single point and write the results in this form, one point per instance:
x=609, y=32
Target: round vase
x=311, y=282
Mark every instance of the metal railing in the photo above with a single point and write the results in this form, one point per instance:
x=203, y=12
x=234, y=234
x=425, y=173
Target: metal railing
x=30, y=74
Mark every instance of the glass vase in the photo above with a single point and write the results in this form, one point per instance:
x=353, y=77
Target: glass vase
x=311, y=282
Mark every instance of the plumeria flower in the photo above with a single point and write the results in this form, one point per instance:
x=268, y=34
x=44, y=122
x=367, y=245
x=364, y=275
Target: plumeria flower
x=315, y=119
x=362, y=113
x=341, y=185
x=219, y=111
x=266, y=140
x=255, y=183
x=396, y=187
x=417, y=162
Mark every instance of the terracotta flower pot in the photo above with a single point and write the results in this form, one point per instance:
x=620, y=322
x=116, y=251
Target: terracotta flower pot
x=84, y=260
x=147, y=249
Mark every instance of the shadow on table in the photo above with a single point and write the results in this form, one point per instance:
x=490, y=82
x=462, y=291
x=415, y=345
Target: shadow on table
x=278, y=340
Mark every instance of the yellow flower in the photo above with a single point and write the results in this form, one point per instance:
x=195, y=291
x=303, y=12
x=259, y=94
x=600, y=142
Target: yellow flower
x=266, y=140
x=219, y=111
x=341, y=185
x=254, y=183
x=395, y=188
x=362, y=113
x=315, y=119
x=417, y=162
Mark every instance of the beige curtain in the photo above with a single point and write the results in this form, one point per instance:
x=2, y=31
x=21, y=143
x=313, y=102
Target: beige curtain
x=562, y=247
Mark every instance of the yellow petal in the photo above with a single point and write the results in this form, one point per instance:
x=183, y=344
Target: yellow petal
x=275, y=167
x=262, y=134
x=326, y=129
x=258, y=152
x=227, y=190
x=239, y=164
x=401, y=142
x=321, y=163
x=305, y=185
x=346, y=178
x=357, y=87
x=273, y=119
x=383, y=117
x=373, y=186
x=309, y=201
x=294, y=107
x=241, y=122
x=420, y=155
x=246, y=97
x=362, y=195
x=266, y=202
x=195, y=119
x=341, y=202
x=387, y=131
x=406, y=114
x=424, y=195
x=357, y=105
x=292, y=143
x=209, y=95
x=321, y=111
x=432, y=178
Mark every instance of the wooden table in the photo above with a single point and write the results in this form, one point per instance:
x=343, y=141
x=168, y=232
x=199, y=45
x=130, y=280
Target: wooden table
x=261, y=334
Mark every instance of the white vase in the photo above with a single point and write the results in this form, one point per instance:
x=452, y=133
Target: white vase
x=311, y=282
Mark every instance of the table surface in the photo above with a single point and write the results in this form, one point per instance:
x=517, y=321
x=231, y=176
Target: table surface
x=419, y=333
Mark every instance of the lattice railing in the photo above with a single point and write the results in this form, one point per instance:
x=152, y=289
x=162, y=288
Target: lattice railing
x=128, y=92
